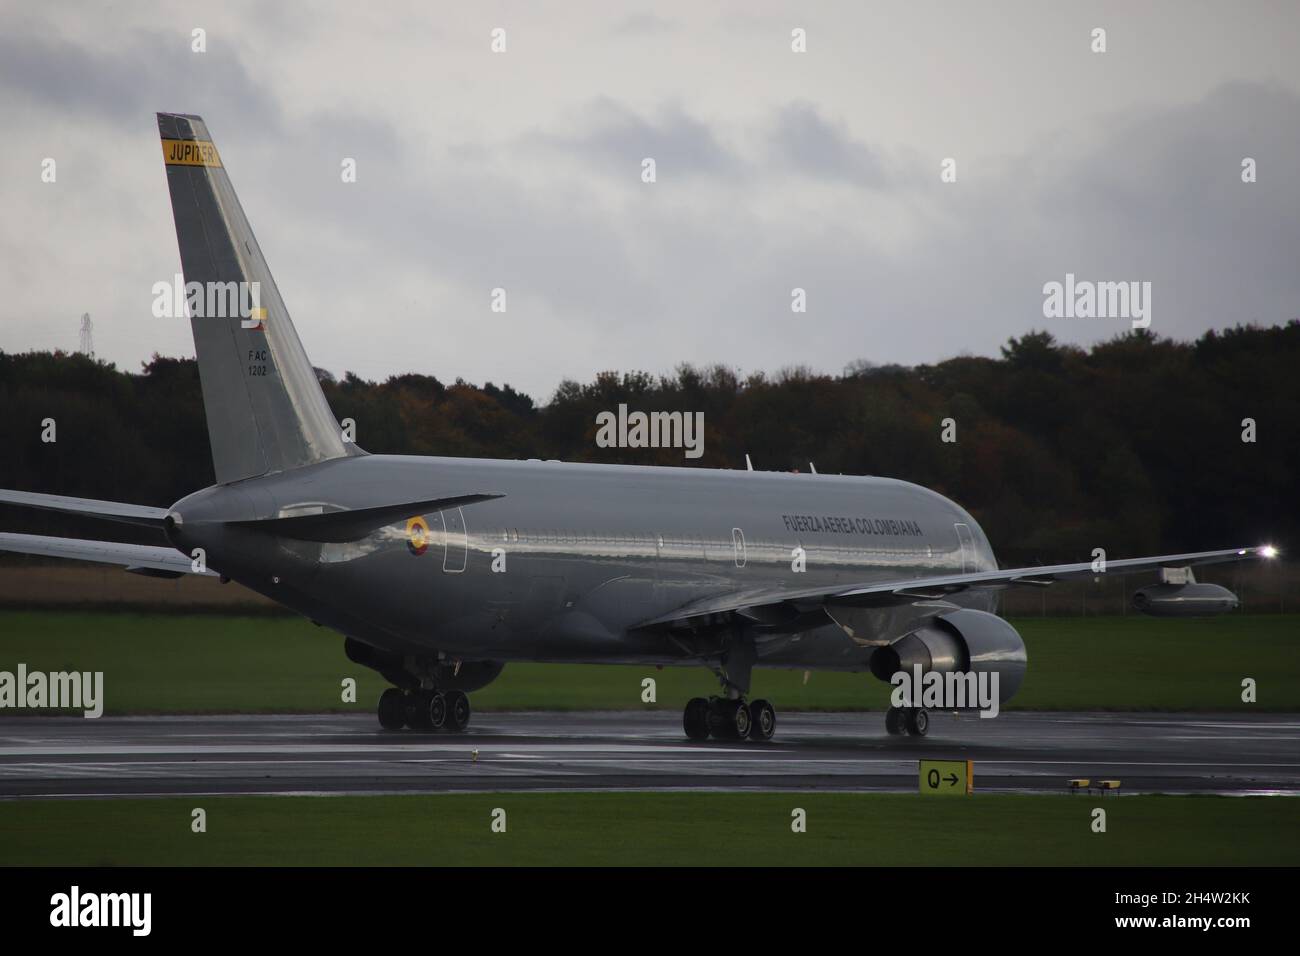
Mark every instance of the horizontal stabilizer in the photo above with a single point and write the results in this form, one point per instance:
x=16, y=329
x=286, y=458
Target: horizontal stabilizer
x=336, y=527
x=108, y=510
x=140, y=558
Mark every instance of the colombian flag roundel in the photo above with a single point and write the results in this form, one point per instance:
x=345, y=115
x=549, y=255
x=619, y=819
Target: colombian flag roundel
x=417, y=535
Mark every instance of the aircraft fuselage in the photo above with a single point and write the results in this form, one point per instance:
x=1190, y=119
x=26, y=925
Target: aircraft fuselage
x=573, y=556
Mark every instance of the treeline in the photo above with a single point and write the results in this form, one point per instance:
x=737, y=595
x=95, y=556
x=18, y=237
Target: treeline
x=1134, y=445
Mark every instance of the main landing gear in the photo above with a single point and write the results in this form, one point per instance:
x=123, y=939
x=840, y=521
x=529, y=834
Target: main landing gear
x=907, y=720
x=728, y=719
x=423, y=709
x=731, y=717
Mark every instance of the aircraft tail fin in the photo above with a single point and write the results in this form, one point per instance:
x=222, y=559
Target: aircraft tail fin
x=265, y=408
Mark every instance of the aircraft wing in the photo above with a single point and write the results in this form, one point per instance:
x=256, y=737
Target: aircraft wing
x=758, y=603
x=139, y=558
x=108, y=510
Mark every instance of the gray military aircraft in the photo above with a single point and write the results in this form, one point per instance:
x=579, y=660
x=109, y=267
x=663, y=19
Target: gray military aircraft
x=438, y=571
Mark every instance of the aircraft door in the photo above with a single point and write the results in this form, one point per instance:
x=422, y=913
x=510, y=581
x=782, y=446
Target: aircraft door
x=967, y=543
x=457, y=544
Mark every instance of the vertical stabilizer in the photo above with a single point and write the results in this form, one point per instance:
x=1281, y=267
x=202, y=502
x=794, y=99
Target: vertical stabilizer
x=265, y=409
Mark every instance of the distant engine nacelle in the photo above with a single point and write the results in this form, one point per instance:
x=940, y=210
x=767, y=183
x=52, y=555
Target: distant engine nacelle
x=1185, y=600
x=964, y=640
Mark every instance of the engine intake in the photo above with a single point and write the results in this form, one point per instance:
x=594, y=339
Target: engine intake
x=964, y=640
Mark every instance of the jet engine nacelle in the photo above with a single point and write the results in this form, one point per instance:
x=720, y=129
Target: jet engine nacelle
x=1185, y=600
x=963, y=640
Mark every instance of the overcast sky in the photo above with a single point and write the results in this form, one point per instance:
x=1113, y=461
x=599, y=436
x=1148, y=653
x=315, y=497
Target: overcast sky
x=775, y=170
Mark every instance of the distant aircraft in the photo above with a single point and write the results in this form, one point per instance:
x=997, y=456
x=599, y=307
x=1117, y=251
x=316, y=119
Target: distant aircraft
x=438, y=571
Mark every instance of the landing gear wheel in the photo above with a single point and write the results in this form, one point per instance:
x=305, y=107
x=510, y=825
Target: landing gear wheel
x=415, y=711
x=436, y=711
x=457, y=710
x=695, y=718
x=894, y=718
x=762, y=720
x=740, y=722
x=390, y=709
x=729, y=719
x=918, y=721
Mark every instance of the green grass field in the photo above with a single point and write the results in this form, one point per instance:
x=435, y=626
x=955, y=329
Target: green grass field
x=648, y=829
x=160, y=663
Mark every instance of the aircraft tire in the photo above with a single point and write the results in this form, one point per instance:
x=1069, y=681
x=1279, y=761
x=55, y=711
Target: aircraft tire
x=762, y=720
x=894, y=722
x=458, y=710
x=729, y=719
x=415, y=711
x=390, y=709
x=918, y=721
x=695, y=719
x=436, y=710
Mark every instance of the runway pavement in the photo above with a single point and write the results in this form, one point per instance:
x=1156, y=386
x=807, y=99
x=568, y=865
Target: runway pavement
x=128, y=756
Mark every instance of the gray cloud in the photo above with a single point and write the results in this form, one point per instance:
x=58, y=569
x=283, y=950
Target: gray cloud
x=642, y=24
x=139, y=73
x=476, y=172
x=610, y=136
x=802, y=140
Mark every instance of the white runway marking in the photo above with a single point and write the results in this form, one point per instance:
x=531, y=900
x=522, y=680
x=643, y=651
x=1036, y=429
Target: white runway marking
x=634, y=751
